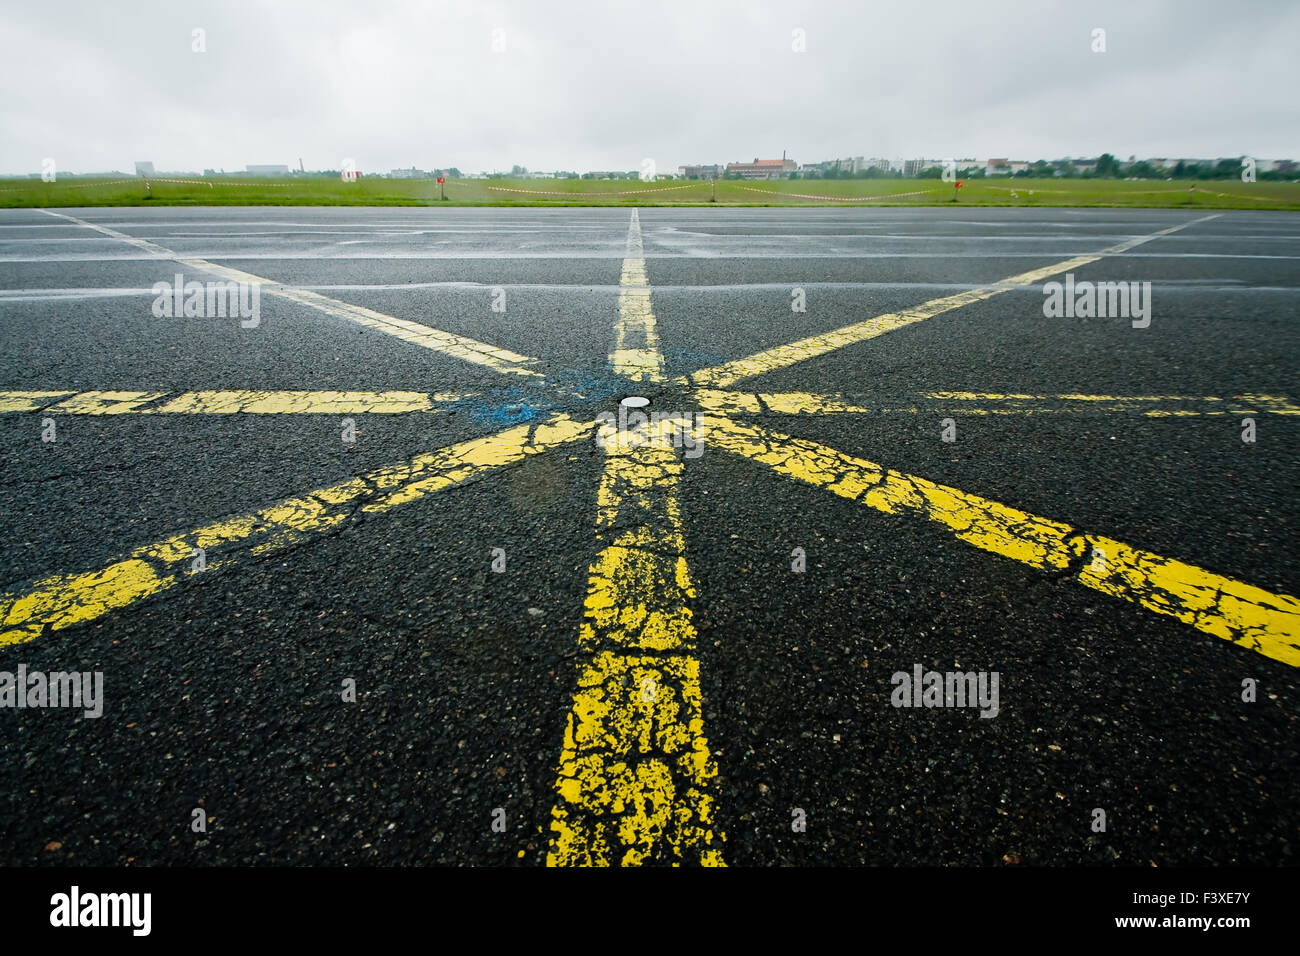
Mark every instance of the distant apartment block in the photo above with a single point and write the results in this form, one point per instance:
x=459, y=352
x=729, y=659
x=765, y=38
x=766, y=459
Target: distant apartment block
x=143, y=168
x=411, y=173
x=269, y=170
x=700, y=172
x=764, y=168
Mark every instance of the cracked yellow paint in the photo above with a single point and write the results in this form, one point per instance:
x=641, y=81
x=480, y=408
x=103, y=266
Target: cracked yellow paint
x=730, y=402
x=228, y=402
x=1277, y=404
x=1241, y=613
x=11, y=402
x=782, y=403
x=60, y=601
x=635, y=778
x=105, y=402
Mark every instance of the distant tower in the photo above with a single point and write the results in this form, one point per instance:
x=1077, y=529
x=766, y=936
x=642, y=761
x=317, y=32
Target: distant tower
x=300, y=169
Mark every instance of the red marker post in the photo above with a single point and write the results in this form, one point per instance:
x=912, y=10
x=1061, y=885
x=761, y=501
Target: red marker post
x=956, y=186
x=441, y=181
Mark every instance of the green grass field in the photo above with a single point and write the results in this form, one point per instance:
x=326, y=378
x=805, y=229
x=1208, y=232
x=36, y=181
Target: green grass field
x=1214, y=194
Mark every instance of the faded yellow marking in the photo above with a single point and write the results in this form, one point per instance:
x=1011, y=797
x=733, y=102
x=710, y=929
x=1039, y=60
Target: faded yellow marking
x=998, y=396
x=729, y=402
x=229, y=402
x=105, y=402
x=1241, y=613
x=636, y=343
x=782, y=356
x=782, y=403
x=457, y=346
x=1276, y=404
x=635, y=778
x=61, y=601
x=1192, y=405
x=28, y=401
x=253, y=402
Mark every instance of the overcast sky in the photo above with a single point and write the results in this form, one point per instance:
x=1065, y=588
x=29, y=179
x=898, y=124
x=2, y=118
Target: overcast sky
x=605, y=85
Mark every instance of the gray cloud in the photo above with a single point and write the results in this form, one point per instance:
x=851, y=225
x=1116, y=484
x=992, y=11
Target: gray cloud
x=603, y=85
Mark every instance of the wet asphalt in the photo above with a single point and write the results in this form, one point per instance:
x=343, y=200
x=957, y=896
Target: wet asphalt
x=225, y=693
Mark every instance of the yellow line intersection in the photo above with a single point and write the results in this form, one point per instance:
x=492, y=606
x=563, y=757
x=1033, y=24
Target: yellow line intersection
x=635, y=779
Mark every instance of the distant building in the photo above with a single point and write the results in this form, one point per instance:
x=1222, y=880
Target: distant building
x=143, y=168
x=700, y=172
x=851, y=165
x=411, y=173
x=1005, y=167
x=267, y=170
x=764, y=168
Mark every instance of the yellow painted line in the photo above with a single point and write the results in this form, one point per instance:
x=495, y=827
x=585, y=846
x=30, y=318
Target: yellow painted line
x=1276, y=404
x=1241, y=613
x=61, y=601
x=725, y=402
x=290, y=402
x=28, y=401
x=636, y=352
x=783, y=356
x=999, y=396
x=636, y=778
x=1193, y=404
x=229, y=402
x=105, y=402
x=457, y=346
x=729, y=402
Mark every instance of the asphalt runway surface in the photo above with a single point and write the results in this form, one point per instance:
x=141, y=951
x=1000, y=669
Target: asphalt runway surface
x=642, y=672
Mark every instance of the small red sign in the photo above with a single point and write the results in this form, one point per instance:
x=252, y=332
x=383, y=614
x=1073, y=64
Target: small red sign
x=442, y=179
x=960, y=184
